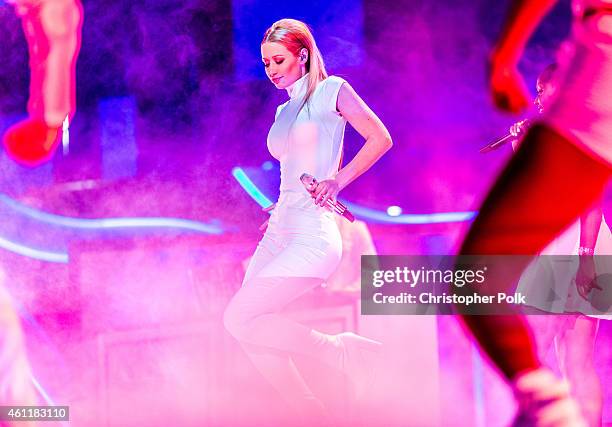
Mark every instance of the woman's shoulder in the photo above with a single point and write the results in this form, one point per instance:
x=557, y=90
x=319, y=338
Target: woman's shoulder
x=328, y=92
x=331, y=86
x=334, y=81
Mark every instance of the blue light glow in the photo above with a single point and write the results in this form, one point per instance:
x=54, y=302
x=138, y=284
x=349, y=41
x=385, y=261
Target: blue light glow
x=250, y=188
x=373, y=215
x=111, y=223
x=33, y=252
x=367, y=214
x=118, y=137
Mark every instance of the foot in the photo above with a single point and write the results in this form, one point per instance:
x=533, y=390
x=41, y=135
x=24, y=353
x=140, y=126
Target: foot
x=31, y=142
x=545, y=401
x=360, y=358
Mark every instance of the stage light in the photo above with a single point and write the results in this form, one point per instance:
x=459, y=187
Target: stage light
x=34, y=253
x=267, y=165
x=111, y=223
x=394, y=211
x=367, y=214
x=250, y=187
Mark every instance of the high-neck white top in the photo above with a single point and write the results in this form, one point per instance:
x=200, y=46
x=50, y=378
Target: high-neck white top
x=309, y=141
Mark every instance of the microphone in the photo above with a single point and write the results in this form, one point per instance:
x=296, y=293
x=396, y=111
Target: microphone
x=523, y=124
x=310, y=183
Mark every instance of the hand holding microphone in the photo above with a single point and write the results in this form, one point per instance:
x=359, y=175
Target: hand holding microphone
x=519, y=128
x=325, y=193
x=325, y=190
x=514, y=132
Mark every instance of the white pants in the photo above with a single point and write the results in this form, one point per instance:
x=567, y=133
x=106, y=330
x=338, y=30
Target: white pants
x=270, y=338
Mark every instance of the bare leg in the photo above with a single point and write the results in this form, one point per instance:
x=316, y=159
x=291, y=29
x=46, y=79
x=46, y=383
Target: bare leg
x=546, y=329
x=52, y=29
x=53, y=32
x=578, y=344
x=545, y=187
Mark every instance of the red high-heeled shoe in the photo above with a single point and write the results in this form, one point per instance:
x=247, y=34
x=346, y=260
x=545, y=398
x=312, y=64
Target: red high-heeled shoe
x=31, y=142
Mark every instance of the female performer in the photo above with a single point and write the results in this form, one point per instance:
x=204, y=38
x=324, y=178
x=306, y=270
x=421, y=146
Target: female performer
x=561, y=284
x=559, y=171
x=302, y=245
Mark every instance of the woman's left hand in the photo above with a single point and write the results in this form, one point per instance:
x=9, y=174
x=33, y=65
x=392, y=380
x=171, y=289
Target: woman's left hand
x=586, y=277
x=327, y=189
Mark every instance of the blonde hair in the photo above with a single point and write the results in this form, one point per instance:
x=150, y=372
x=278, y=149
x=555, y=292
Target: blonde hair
x=295, y=36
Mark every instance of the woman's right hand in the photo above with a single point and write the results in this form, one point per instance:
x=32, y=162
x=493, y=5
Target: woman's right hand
x=586, y=277
x=516, y=130
x=264, y=226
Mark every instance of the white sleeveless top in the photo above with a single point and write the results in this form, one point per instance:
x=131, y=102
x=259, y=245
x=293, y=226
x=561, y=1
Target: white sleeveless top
x=312, y=141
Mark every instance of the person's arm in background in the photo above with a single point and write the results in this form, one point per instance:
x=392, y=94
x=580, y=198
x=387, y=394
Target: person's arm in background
x=53, y=33
x=590, y=223
x=52, y=30
x=507, y=85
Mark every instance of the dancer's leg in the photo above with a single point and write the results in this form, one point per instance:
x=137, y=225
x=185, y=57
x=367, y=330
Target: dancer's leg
x=547, y=184
x=546, y=329
x=577, y=364
x=38, y=49
x=53, y=32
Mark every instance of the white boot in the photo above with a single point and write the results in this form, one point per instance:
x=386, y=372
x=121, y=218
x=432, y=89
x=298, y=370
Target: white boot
x=360, y=357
